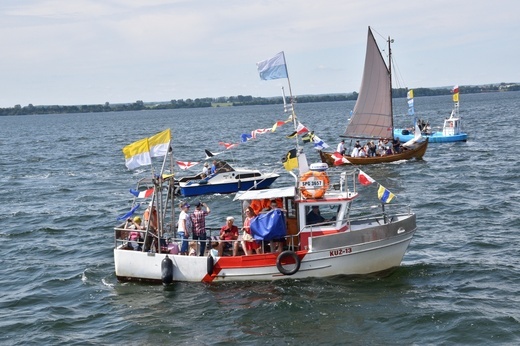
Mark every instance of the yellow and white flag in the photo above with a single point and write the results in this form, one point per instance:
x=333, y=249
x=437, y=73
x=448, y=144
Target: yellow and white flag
x=159, y=143
x=137, y=154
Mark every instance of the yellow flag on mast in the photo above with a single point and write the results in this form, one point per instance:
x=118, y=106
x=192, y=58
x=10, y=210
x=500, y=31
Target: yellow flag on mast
x=137, y=154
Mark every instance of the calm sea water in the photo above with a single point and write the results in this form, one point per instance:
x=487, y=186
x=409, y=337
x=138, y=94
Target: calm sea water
x=64, y=182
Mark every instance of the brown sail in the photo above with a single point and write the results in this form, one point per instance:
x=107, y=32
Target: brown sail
x=372, y=117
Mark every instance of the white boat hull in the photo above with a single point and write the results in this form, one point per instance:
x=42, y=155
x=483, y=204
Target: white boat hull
x=366, y=250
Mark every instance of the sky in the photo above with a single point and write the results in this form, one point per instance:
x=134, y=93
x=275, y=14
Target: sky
x=82, y=52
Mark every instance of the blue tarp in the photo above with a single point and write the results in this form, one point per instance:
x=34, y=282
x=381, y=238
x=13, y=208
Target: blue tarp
x=268, y=226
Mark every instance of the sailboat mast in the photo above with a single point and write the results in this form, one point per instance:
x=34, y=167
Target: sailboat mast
x=390, y=73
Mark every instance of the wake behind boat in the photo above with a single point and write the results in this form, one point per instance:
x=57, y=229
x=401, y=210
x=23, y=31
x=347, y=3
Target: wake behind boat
x=341, y=240
x=372, y=117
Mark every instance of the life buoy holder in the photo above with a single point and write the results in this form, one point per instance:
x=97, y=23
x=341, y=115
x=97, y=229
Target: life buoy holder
x=210, y=265
x=314, y=184
x=288, y=257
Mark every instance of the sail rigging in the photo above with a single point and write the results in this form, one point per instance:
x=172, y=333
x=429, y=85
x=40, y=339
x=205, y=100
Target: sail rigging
x=372, y=115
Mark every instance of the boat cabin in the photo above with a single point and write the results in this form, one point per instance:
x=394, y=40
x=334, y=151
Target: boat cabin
x=306, y=217
x=452, y=126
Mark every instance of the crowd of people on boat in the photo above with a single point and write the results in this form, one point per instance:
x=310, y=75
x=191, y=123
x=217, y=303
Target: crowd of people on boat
x=370, y=149
x=193, y=238
x=230, y=238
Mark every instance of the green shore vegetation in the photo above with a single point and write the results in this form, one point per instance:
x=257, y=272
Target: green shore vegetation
x=240, y=100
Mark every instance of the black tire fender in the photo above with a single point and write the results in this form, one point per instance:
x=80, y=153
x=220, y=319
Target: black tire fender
x=286, y=255
x=210, y=265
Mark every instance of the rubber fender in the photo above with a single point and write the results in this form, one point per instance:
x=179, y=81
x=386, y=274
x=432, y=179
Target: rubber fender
x=167, y=270
x=288, y=257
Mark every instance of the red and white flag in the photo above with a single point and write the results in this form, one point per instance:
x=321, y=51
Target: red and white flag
x=339, y=159
x=142, y=194
x=186, y=164
x=301, y=129
x=228, y=145
x=455, y=89
x=254, y=133
x=364, y=179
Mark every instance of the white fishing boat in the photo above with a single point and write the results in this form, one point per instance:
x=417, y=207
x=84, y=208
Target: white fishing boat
x=344, y=241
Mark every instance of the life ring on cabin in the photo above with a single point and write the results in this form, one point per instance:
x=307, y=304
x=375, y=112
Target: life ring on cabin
x=288, y=257
x=210, y=265
x=309, y=188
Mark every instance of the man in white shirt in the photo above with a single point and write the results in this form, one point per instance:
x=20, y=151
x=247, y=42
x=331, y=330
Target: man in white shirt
x=341, y=147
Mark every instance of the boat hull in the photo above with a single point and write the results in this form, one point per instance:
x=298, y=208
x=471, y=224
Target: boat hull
x=436, y=137
x=414, y=153
x=370, y=247
x=225, y=188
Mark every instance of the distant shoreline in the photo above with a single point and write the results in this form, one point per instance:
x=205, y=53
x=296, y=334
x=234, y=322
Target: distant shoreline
x=240, y=100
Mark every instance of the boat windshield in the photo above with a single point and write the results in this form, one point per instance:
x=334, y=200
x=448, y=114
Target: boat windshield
x=223, y=166
x=321, y=214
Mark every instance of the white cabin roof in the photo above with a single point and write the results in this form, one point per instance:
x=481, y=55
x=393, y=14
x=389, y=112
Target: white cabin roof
x=288, y=191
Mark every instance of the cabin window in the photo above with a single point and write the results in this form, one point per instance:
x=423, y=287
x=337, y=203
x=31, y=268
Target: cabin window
x=321, y=214
x=247, y=175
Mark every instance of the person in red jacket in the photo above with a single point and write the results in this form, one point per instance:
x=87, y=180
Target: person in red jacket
x=228, y=233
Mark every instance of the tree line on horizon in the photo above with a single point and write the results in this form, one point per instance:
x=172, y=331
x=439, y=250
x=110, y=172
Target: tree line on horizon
x=240, y=100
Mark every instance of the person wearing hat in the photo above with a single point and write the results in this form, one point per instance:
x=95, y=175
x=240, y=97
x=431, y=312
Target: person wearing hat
x=184, y=226
x=199, y=225
x=228, y=233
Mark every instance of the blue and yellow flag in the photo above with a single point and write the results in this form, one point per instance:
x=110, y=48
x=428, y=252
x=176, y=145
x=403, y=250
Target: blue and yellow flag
x=384, y=195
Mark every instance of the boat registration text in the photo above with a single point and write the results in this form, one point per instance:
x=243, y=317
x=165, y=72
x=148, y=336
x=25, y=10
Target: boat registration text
x=311, y=183
x=341, y=251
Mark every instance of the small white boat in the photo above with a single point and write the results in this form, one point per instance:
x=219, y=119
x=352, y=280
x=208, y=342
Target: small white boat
x=343, y=241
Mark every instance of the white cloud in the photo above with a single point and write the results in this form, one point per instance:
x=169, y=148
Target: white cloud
x=87, y=51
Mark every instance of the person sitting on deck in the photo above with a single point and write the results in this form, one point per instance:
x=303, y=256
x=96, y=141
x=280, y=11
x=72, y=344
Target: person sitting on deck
x=134, y=237
x=214, y=167
x=314, y=216
x=205, y=170
x=397, y=145
x=248, y=242
x=228, y=233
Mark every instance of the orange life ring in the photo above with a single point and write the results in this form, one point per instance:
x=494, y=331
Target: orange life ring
x=314, y=184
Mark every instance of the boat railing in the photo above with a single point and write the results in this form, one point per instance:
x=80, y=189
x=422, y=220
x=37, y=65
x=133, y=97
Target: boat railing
x=213, y=236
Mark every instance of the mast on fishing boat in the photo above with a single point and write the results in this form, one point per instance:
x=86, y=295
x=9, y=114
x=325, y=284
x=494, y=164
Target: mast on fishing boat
x=390, y=73
x=276, y=68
